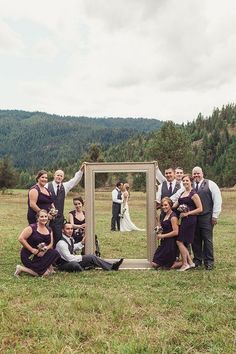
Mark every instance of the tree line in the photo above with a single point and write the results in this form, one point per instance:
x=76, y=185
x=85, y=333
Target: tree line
x=209, y=142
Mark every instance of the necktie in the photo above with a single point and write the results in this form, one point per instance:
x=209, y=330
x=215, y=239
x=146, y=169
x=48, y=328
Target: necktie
x=72, y=246
x=58, y=189
x=196, y=189
x=170, y=189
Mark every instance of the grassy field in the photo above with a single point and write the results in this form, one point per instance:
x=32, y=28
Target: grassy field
x=125, y=312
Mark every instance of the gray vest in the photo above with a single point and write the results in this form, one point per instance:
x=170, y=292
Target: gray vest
x=165, y=191
x=59, y=199
x=206, y=197
x=70, y=245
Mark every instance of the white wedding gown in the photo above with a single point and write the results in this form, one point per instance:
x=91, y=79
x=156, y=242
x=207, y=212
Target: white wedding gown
x=125, y=222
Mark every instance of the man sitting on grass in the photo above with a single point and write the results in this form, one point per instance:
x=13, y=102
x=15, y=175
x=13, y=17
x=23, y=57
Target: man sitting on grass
x=70, y=262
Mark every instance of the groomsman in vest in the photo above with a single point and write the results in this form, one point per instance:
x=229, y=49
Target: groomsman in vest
x=179, y=172
x=169, y=187
x=71, y=262
x=59, y=190
x=210, y=196
x=116, y=206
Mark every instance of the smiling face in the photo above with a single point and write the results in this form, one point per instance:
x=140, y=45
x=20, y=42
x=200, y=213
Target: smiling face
x=169, y=174
x=42, y=180
x=59, y=176
x=78, y=205
x=187, y=182
x=42, y=217
x=68, y=230
x=166, y=204
x=197, y=174
x=179, y=174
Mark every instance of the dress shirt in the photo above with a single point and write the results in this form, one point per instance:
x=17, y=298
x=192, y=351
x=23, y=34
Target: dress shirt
x=70, y=184
x=216, y=197
x=115, y=195
x=63, y=249
x=159, y=176
x=158, y=193
x=176, y=196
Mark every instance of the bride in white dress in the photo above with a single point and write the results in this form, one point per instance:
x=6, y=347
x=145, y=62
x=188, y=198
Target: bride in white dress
x=125, y=222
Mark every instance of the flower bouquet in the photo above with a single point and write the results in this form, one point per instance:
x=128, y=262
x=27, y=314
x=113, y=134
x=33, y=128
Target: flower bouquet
x=53, y=212
x=121, y=215
x=158, y=230
x=183, y=208
x=41, y=248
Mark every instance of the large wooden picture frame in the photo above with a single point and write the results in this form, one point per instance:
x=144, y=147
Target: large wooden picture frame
x=133, y=167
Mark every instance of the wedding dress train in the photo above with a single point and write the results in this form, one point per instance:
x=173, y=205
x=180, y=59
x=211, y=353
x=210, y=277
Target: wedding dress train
x=125, y=222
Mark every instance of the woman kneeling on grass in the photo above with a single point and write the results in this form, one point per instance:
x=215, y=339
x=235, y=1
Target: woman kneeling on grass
x=37, y=254
x=166, y=253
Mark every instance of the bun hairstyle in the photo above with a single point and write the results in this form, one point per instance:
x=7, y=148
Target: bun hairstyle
x=168, y=200
x=189, y=176
x=80, y=199
x=40, y=173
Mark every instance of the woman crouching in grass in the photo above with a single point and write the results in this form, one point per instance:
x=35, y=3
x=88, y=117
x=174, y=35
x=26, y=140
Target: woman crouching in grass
x=167, y=251
x=37, y=254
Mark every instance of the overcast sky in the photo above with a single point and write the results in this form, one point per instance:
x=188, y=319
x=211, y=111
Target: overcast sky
x=165, y=59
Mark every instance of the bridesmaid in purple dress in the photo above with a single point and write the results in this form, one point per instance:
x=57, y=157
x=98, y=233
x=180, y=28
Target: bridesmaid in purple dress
x=166, y=253
x=188, y=220
x=37, y=262
x=77, y=220
x=39, y=197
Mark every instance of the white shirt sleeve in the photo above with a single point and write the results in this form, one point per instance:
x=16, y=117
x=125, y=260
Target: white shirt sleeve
x=159, y=176
x=114, y=197
x=63, y=249
x=73, y=182
x=176, y=196
x=158, y=194
x=216, y=198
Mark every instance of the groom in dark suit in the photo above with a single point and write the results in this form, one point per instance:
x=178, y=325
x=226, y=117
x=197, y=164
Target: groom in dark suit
x=116, y=206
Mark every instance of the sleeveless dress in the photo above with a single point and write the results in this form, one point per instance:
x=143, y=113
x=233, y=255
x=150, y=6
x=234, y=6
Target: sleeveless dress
x=125, y=222
x=188, y=224
x=38, y=264
x=167, y=252
x=44, y=202
x=78, y=236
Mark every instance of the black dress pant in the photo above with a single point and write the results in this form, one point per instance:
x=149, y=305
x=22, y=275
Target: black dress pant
x=115, y=220
x=203, y=241
x=56, y=226
x=70, y=267
x=88, y=261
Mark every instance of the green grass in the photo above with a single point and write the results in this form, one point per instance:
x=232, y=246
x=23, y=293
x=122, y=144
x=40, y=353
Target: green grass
x=124, y=312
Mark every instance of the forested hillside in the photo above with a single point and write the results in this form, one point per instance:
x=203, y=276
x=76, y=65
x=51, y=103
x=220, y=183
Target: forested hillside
x=35, y=140
x=38, y=140
x=209, y=142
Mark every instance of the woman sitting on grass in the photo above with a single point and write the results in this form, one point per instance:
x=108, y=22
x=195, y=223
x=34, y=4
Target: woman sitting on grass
x=167, y=251
x=37, y=254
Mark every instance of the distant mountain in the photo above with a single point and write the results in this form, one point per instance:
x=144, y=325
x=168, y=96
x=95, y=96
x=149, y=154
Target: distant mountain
x=36, y=140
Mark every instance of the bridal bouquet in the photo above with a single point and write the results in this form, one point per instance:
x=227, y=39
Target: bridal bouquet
x=41, y=248
x=121, y=215
x=53, y=212
x=183, y=208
